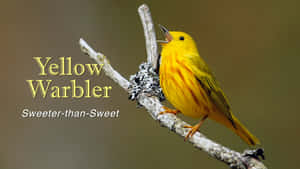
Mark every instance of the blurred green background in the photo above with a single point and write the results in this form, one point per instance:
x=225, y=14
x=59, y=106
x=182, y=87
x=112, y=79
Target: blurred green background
x=252, y=46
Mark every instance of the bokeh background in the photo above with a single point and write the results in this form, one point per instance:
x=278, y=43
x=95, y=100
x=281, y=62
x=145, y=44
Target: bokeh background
x=252, y=46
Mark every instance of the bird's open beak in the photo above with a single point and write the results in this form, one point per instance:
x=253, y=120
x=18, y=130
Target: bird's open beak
x=167, y=34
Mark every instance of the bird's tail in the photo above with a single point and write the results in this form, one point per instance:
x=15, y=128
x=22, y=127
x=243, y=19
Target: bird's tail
x=238, y=128
x=244, y=133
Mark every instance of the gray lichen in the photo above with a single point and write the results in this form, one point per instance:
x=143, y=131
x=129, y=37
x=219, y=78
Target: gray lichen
x=145, y=80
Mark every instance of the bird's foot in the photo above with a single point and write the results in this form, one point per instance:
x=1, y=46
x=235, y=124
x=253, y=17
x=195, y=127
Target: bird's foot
x=194, y=128
x=168, y=110
x=192, y=131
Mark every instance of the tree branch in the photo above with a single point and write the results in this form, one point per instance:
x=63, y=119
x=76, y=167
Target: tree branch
x=248, y=159
x=108, y=69
x=151, y=45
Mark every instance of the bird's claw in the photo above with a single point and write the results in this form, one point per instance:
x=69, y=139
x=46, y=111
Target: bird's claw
x=168, y=110
x=192, y=131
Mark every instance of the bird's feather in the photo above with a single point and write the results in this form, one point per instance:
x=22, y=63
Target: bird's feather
x=209, y=83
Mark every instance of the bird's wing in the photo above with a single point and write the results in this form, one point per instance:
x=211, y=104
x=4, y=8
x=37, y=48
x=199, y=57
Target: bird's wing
x=208, y=82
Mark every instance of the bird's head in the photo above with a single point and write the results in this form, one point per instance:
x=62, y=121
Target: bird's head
x=177, y=40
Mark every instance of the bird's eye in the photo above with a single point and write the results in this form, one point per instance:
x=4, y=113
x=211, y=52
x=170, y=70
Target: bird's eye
x=181, y=38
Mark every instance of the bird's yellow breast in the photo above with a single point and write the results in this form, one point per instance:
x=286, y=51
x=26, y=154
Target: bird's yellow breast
x=181, y=87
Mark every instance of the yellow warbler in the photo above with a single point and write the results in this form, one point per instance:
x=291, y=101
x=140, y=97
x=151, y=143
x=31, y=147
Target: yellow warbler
x=190, y=86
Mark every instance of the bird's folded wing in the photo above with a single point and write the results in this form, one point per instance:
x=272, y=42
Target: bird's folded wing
x=208, y=82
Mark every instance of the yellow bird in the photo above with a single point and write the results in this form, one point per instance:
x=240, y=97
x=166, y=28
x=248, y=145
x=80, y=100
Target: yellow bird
x=190, y=86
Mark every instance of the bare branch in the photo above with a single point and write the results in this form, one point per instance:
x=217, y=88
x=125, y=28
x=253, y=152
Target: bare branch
x=153, y=106
x=101, y=59
x=151, y=45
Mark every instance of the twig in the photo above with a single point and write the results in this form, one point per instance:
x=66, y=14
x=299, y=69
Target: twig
x=153, y=106
x=108, y=69
x=151, y=45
